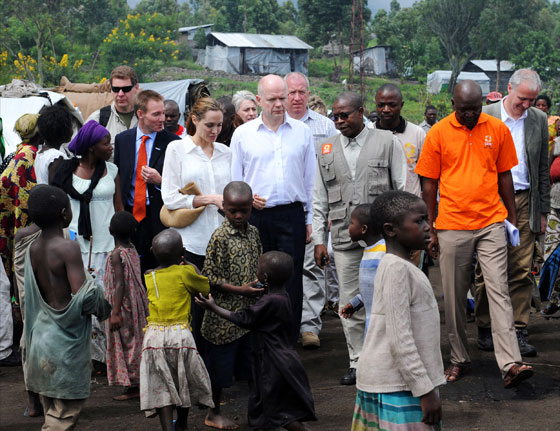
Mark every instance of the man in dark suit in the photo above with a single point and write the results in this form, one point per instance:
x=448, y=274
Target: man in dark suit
x=531, y=182
x=139, y=155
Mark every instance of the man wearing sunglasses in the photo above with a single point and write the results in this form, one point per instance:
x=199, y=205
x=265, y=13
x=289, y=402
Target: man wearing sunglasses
x=354, y=168
x=119, y=115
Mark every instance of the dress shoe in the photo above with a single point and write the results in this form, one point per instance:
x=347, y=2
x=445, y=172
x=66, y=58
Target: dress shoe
x=485, y=341
x=349, y=378
x=525, y=348
x=310, y=341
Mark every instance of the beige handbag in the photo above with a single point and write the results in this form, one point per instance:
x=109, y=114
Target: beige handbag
x=182, y=217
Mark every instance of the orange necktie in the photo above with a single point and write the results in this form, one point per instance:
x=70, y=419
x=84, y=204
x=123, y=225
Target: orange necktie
x=139, y=207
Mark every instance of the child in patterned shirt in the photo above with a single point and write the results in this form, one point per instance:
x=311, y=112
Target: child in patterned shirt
x=231, y=265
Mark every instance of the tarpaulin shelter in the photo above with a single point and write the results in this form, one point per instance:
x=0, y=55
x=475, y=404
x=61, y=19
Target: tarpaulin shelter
x=91, y=97
x=259, y=54
x=439, y=80
x=11, y=108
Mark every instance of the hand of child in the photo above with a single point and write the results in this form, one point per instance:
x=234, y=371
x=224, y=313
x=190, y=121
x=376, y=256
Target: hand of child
x=250, y=290
x=114, y=322
x=205, y=303
x=431, y=408
x=347, y=311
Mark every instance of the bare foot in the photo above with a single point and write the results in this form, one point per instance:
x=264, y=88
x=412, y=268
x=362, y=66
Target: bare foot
x=129, y=394
x=218, y=421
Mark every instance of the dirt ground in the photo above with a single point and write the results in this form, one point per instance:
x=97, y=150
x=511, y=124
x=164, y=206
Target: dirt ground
x=478, y=402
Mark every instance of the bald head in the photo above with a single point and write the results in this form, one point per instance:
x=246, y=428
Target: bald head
x=349, y=98
x=271, y=98
x=271, y=82
x=467, y=102
x=467, y=90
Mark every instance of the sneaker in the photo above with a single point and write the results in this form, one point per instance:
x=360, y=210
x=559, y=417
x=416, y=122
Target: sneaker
x=525, y=348
x=485, y=341
x=309, y=340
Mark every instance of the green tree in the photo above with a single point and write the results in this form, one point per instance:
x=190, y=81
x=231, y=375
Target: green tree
x=509, y=21
x=453, y=22
x=145, y=42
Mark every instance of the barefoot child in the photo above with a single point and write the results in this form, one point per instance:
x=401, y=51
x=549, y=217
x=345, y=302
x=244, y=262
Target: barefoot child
x=126, y=293
x=60, y=299
x=362, y=229
x=280, y=394
x=172, y=373
x=400, y=367
x=232, y=258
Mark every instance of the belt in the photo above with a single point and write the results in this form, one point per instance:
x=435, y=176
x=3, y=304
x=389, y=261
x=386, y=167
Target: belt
x=517, y=192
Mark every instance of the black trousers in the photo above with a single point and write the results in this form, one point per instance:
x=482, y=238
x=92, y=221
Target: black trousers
x=142, y=240
x=282, y=228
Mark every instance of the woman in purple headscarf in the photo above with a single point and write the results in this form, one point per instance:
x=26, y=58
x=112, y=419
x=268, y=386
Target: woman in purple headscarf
x=92, y=184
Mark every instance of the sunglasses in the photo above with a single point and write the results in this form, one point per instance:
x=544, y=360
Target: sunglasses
x=125, y=89
x=342, y=115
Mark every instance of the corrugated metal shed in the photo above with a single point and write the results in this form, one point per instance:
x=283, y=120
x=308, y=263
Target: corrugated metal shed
x=195, y=27
x=491, y=65
x=248, y=40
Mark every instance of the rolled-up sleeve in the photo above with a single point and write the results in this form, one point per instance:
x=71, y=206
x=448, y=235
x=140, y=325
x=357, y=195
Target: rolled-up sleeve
x=310, y=164
x=236, y=157
x=171, y=179
x=320, y=208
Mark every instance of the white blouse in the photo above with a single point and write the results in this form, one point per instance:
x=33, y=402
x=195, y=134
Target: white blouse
x=186, y=162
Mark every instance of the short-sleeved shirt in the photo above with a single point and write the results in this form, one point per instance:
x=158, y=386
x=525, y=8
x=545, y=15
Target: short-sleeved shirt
x=467, y=163
x=232, y=257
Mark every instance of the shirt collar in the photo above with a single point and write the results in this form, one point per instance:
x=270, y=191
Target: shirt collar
x=232, y=231
x=505, y=116
x=455, y=123
x=260, y=124
x=139, y=135
x=399, y=129
x=360, y=138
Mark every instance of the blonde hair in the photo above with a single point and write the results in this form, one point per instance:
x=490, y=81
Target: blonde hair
x=144, y=97
x=199, y=110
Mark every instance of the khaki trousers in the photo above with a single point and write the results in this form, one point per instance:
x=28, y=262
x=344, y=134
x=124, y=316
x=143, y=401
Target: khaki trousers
x=457, y=248
x=348, y=268
x=520, y=263
x=61, y=415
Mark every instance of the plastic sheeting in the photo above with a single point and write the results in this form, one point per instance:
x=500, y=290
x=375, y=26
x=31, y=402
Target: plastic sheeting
x=258, y=61
x=174, y=90
x=375, y=61
x=13, y=108
x=439, y=80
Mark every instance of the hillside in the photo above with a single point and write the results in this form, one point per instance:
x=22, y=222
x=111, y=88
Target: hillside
x=224, y=84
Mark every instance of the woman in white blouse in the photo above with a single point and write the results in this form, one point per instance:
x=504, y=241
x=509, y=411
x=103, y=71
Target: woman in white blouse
x=198, y=158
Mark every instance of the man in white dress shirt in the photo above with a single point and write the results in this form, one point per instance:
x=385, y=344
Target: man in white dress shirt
x=274, y=154
x=313, y=277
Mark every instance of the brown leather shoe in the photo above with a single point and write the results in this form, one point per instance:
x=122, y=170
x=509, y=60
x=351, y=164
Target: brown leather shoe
x=309, y=340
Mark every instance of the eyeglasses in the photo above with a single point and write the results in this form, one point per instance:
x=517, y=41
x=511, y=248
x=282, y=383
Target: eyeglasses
x=125, y=89
x=342, y=115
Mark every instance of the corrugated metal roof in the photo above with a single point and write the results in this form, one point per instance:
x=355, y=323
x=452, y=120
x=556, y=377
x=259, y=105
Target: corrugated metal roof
x=491, y=65
x=196, y=27
x=248, y=40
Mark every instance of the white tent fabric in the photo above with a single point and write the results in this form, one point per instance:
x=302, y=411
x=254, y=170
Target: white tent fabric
x=13, y=108
x=174, y=90
x=440, y=78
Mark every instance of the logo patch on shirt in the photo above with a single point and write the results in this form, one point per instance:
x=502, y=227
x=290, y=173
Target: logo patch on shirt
x=327, y=148
x=488, y=141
